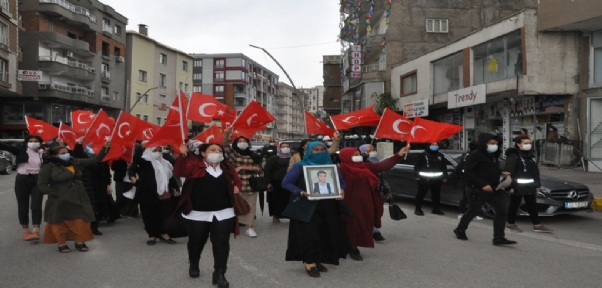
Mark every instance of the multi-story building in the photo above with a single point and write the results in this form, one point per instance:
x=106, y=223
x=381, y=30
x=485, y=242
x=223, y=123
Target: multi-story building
x=79, y=47
x=290, y=123
x=235, y=80
x=320, y=104
x=331, y=73
x=156, y=73
x=312, y=94
x=10, y=53
x=387, y=33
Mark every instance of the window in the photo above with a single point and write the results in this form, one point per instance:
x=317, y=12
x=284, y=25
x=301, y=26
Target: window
x=181, y=86
x=117, y=51
x=596, y=47
x=437, y=25
x=142, y=75
x=104, y=67
x=106, y=49
x=408, y=84
x=448, y=74
x=243, y=76
x=163, y=58
x=197, y=76
x=220, y=63
x=144, y=99
x=117, y=29
x=186, y=88
x=219, y=89
x=498, y=59
x=184, y=65
x=162, y=80
x=138, y=116
x=106, y=26
x=145, y=117
x=219, y=76
x=115, y=96
x=197, y=89
x=162, y=96
x=3, y=70
x=104, y=91
x=198, y=63
x=3, y=34
x=158, y=120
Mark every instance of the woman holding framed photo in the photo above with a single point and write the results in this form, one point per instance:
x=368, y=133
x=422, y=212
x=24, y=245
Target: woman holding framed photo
x=316, y=235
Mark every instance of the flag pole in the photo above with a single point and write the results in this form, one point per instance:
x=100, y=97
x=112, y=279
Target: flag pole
x=181, y=115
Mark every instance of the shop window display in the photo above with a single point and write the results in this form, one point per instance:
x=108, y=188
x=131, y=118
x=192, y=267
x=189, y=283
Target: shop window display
x=498, y=59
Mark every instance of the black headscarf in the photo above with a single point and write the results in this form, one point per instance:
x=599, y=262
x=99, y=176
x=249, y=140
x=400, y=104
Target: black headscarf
x=246, y=152
x=301, y=150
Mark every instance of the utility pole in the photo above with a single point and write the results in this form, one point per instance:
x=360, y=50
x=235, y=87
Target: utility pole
x=141, y=96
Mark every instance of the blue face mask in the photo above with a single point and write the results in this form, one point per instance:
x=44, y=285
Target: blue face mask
x=434, y=148
x=65, y=157
x=321, y=158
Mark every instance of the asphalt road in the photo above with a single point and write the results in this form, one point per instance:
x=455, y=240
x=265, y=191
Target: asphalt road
x=418, y=252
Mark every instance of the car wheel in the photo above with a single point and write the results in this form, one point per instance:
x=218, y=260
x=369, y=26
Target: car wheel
x=8, y=169
x=488, y=211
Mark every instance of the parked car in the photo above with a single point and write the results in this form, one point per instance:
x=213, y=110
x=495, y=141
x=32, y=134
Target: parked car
x=258, y=145
x=556, y=196
x=18, y=143
x=6, y=164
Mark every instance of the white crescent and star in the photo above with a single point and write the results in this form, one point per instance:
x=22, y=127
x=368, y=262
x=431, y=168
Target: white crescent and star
x=102, y=125
x=209, y=138
x=79, y=119
x=67, y=132
x=148, y=132
x=202, y=109
x=346, y=120
x=250, y=119
x=120, y=127
x=396, y=125
x=416, y=128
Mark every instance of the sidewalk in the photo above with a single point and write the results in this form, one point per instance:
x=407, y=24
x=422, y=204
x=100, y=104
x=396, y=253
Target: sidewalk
x=590, y=179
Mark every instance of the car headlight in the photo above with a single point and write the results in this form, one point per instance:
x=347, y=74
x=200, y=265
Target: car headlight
x=544, y=192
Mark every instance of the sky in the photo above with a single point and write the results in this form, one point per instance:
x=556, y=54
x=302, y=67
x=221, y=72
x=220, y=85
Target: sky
x=229, y=26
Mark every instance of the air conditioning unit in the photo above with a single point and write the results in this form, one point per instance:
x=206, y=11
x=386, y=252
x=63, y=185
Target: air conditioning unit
x=119, y=59
x=69, y=54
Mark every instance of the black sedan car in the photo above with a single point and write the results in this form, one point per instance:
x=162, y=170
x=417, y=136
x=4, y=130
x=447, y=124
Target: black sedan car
x=556, y=196
x=6, y=163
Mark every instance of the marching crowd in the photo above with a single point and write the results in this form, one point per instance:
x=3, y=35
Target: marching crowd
x=220, y=192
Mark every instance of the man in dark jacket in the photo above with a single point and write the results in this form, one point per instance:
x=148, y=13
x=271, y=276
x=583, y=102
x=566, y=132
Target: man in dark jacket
x=482, y=176
x=430, y=171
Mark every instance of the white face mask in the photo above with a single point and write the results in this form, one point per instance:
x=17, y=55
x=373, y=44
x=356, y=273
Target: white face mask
x=33, y=145
x=156, y=155
x=526, y=147
x=329, y=143
x=357, y=158
x=373, y=154
x=285, y=150
x=89, y=150
x=242, y=145
x=492, y=148
x=214, y=158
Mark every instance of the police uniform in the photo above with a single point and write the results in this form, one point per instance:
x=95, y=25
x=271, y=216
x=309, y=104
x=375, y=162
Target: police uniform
x=430, y=169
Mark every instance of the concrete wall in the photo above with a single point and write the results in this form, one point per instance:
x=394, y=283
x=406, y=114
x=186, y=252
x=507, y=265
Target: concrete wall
x=140, y=50
x=552, y=14
x=161, y=105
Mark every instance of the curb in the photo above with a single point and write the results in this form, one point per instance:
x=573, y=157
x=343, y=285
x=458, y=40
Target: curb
x=597, y=204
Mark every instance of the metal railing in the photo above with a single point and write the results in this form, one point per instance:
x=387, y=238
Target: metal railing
x=68, y=62
x=559, y=153
x=3, y=76
x=105, y=98
x=73, y=8
x=72, y=89
x=107, y=28
x=4, y=39
x=4, y=4
x=374, y=67
x=106, y=75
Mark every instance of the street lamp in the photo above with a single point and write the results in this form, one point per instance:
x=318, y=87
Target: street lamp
x=141, y=96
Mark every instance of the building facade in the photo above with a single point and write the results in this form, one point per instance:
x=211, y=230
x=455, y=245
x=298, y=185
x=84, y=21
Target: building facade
x=79, y=47
x=236, y=80
x=10, y=54
x=290, y=123
x=331, y=73
x=311, y=96
x=156, y=73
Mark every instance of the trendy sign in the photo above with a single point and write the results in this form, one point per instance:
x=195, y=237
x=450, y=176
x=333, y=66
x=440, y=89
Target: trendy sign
x=418, y=108
x=467, y=97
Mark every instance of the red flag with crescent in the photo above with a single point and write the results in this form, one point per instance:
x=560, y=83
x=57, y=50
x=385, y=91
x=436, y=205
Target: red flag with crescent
x=81, y=120
x=99, y=132
x=68, y=135
x=123, y=137
x=314, y=125
x=364, y=117
x=203, y=108
x=211, y=135
x=394, y=126
x=41, y=128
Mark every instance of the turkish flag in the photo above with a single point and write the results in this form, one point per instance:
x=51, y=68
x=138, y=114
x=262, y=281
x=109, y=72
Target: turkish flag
x=145, y=130
x=394, y=126
x=246, y=132
x=68, y=135
x=227, y=122
x=203, y=108
x=252, y=116
x=211, y=135
x=426, y=131
x=314, y=125
x=175, y=130
x=99, y=132
x=124, y=136
x=41, y=128
x=363, y=117
x=81, y=120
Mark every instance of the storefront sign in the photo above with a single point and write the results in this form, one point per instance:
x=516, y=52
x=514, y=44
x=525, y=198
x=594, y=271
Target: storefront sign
x=418, y=108
x=467, y=97
x=356, y=60
x=29, y=75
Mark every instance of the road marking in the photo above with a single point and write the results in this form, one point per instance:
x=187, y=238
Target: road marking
x=7, y=191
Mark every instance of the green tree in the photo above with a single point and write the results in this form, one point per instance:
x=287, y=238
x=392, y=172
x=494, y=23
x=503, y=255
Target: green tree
x=385, y=100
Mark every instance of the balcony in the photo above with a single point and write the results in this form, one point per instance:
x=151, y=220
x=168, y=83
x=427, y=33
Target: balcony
x=106, y=76
x=66, y=67
x=105, y=98
x=59, y=41
x=240, y=95
x=107, y=29
x=374, y=72
x=5, y=8
x=61, y=90
x=4, y=42
x=73, y=8
x=4, y=79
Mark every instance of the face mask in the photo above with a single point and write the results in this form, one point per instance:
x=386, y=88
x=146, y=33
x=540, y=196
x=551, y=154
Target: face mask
x=434, y=148
x=156, y=155
x=215, y=157
x=526, y=147
x=285, y=150
x=357, y=159
x=492, y=148
x=329, y=143
x=65, y=157
x=242, y=145
x=319, y=158
x=89, y=150
x=33, y=145
x=372, y=154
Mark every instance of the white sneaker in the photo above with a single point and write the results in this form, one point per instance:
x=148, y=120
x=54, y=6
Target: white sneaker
x=251, y=233
x=479, y=218
x=460, y=216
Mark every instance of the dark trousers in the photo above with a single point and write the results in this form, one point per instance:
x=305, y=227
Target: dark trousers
x=26, y=188
x=155, y=214
x=530, y=201
x=423, y=187
x=218, y=232
x=463, y=207
x=497, y=199
x=126, y=206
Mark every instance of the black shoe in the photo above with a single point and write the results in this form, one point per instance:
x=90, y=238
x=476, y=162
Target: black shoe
x=321, y=268
x=96, y=232
x=167, y=241
x=503, y=241
x=151, y=242
x=313, y=272
x=438, y=212
x=194, y=270
x=460, y=234
x=419, y=212
x=219, y=279
x=355, y=255
x=378, y=237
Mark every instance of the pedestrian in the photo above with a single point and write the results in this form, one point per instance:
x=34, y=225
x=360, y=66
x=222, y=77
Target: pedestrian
x=332, y=144
x=153, y=191
x=29, y=163
x=68, y=212
x=268, y=150
x=242, y=158
x=275, y=169
x=482, y=174
x=298, y=155
x=369, y=153
x=463, y=206
x=206, y=205
x=371, y=156
x=126, y=207
x=363, y=196
x=316, y=235
x=430, y=171
x=522, y=167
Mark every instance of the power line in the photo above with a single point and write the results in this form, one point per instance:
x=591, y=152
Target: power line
x=300, y=46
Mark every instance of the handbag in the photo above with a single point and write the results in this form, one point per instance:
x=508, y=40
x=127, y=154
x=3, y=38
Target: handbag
x=241, y=207
x=258, y=183
x=395, y=212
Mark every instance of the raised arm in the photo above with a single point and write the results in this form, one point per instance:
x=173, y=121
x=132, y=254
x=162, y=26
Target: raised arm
x=10, y=148
x=336, y=141
x=384, y=165
x=84, y=162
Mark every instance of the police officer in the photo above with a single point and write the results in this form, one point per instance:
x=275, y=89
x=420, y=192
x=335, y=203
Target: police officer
x=430, y=172
x=463, y=207
x=268, y=151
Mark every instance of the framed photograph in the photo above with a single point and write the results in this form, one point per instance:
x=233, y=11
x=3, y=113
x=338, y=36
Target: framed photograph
x=322, y=182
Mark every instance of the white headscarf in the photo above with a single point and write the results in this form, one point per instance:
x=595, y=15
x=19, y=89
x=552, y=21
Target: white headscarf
x=163, y=170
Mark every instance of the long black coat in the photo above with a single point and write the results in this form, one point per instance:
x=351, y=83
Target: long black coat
x=146, y=184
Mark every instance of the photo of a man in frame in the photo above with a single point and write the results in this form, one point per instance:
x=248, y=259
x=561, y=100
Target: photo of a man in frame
x=322, y=187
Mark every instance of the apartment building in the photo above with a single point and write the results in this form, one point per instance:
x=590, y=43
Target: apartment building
x=79, y=47
x=156, y=73
x=290, y=123
x=312, y=95
x=10, y=53
x=235, y=80
x=331, y=73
